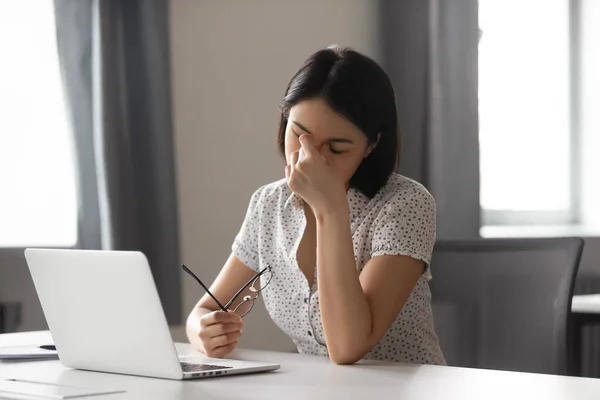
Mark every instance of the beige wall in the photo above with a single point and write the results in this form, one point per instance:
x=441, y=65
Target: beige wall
x=231, y=63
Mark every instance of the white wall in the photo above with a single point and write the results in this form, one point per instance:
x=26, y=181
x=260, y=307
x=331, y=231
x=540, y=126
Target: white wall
x=231, y=61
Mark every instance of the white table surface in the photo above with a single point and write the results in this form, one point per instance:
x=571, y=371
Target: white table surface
x=586, y=304
x=310, y=377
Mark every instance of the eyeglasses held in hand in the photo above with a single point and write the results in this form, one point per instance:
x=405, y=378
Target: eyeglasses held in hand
x=255, y=285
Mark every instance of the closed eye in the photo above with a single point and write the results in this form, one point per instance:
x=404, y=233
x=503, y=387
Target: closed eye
x=334, y=151
x=331, y=148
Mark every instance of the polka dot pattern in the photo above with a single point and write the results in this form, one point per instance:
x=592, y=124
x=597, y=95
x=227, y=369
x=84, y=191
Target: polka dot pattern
x=399, y=220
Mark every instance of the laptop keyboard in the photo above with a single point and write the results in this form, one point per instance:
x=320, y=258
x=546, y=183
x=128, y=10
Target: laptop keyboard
x=187, y=367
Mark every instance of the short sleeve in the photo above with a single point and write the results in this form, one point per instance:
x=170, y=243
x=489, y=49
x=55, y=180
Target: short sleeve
x=406, y=226
x=245, y=244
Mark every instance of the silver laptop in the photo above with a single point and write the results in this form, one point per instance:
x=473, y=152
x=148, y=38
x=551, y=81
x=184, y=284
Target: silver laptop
x=104, y=313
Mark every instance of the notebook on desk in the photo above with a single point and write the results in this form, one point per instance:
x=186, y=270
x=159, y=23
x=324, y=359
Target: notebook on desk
x=104, y=313
x=15, y=353
x=20, y=389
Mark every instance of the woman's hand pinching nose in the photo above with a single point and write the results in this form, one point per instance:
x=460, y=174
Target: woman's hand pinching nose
x=309, y=176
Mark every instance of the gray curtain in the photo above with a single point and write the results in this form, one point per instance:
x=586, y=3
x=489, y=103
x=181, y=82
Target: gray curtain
x=430, y=52
x=114, y=59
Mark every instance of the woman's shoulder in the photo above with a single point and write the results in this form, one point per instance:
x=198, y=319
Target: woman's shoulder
x=401, y=189
x=273, y=192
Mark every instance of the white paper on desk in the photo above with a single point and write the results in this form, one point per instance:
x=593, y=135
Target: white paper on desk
x=26, y=352
x=24, y=390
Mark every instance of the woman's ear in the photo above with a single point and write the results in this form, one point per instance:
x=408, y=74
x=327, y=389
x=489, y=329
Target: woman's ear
x=372, y=146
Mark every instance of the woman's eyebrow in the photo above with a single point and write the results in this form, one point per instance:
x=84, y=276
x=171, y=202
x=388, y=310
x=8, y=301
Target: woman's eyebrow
x=334, y=140
x=299, y=125
x=340, y=140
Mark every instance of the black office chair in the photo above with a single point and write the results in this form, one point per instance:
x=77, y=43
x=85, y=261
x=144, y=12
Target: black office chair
x=10, y=317
x=505, y=303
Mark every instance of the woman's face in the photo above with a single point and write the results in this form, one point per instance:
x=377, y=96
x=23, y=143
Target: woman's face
x=341, y=143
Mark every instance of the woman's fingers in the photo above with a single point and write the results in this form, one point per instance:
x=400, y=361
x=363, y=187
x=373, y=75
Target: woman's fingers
x=224, y=340
x=216, y=337
x=308, y=147
x=221, y=329
x=301, y=155
x=222, y=351
x=213, y=344
x=288, y=169
x=220, y=317
x=294, y=158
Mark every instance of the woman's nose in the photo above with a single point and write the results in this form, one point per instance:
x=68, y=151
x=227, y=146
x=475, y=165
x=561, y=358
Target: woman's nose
x=320, y=146
x=324, y=151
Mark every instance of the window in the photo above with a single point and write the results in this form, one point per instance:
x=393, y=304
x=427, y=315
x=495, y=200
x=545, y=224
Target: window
x=589, y=117
x=38, y=205
x=524, y=107
x=539, y=89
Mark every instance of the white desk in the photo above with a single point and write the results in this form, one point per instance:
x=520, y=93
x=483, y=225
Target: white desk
x=585, y=311
x=307, y=377
x=586, y=304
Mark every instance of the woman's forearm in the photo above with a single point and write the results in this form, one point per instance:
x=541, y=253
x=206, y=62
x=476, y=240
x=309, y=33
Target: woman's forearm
x=345, y=312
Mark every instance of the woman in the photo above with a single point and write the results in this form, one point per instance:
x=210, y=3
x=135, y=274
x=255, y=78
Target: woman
x=347, y=240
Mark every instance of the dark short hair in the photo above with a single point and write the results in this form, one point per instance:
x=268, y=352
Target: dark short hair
x=356, y=87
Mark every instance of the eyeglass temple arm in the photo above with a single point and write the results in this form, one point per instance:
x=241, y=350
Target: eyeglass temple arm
x=186, y=269
x=235, y=296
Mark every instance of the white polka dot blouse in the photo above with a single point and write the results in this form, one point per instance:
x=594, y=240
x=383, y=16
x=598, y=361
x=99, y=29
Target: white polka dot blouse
x=398, y=220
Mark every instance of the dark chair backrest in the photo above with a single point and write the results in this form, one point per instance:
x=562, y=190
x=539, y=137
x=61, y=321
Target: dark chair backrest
x=505, y=303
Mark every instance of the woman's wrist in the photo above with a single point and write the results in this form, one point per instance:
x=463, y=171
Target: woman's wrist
x=332, y=206
x=332, y=212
